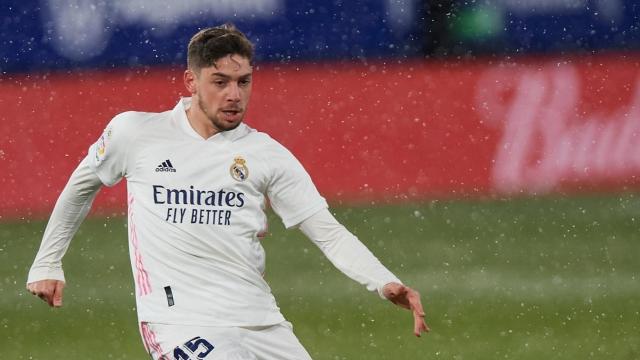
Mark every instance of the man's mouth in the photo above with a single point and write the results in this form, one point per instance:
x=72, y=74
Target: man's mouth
x=231, y=115
x=231, y=111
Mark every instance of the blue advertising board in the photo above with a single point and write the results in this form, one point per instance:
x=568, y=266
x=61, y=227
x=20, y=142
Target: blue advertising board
x=541, y=26
x=571, y=25
x=58, y=34
x=41, y=35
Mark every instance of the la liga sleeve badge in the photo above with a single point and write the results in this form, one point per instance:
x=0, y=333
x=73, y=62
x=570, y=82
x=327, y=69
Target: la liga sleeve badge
x=102, y=145
x=239, y=170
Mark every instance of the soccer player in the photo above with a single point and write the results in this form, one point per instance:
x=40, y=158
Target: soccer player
x=197, y=183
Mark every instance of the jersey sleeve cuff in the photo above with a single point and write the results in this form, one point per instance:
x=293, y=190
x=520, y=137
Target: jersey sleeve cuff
x=45, y=273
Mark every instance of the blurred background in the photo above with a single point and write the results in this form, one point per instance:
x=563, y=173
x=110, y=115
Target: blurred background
x=487, y=151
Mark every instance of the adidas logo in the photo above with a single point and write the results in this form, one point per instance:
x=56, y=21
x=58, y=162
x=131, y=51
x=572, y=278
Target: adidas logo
x=166, y=166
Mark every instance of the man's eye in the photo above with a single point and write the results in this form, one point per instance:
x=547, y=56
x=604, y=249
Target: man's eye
x=245, y=82
x=219, y=82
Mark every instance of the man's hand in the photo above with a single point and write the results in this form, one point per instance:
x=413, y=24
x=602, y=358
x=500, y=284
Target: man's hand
x=407, y=298
x=48, y=290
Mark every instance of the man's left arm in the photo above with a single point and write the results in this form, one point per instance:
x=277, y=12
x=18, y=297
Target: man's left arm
x=350, y=256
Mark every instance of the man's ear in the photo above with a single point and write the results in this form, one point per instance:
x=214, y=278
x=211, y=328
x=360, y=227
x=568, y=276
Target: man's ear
x=189, y=79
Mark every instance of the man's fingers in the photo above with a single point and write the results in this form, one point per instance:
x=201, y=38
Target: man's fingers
x=50, y=291
x=408, y=298
x=420, y=325
x=33, y=288
x=414, y=302
x=57, y=294
x=46, y=296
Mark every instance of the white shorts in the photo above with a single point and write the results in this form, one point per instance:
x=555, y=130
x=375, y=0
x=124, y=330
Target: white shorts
x=185, y=342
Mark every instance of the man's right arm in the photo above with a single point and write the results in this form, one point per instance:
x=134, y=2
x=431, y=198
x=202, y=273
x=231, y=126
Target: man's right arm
x=46, y=277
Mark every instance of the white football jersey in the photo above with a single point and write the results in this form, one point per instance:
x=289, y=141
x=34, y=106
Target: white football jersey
x=196, y=207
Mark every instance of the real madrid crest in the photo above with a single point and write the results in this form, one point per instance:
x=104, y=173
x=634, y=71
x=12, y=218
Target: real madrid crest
x=239, y=169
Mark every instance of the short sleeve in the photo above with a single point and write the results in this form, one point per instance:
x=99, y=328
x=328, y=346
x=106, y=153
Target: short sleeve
x=291, y=191
x=108, y=156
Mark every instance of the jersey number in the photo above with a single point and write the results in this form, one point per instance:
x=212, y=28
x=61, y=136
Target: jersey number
x=193, y=345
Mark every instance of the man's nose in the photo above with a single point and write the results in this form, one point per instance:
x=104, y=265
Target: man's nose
x=234, y=92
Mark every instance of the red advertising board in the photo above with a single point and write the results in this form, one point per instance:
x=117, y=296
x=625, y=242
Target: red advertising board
x=376, y=131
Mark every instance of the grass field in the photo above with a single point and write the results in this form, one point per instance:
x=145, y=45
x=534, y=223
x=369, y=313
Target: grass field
x=550, y=278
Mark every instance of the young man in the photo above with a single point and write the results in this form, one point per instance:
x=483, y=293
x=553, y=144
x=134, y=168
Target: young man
x=197, y=181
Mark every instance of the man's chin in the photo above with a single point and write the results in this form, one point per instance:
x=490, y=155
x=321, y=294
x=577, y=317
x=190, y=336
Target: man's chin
x=223, y=125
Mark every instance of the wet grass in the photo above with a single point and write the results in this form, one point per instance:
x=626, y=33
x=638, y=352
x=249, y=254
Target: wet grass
x=512, y=279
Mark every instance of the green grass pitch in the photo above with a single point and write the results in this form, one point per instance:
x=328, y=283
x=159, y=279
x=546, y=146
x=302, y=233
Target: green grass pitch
x=550, y=278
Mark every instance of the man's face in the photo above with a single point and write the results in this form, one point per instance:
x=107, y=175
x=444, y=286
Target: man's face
x=222, y=92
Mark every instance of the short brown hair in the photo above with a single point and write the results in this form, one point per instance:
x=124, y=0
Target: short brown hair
x=209, y=45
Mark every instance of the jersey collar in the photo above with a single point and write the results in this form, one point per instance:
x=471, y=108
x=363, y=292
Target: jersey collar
x=179, y=113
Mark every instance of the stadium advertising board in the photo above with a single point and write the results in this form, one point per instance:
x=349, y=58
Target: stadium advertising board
x=61, y=34
x=379, y=131
x=560, y=126
x=535, y=26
